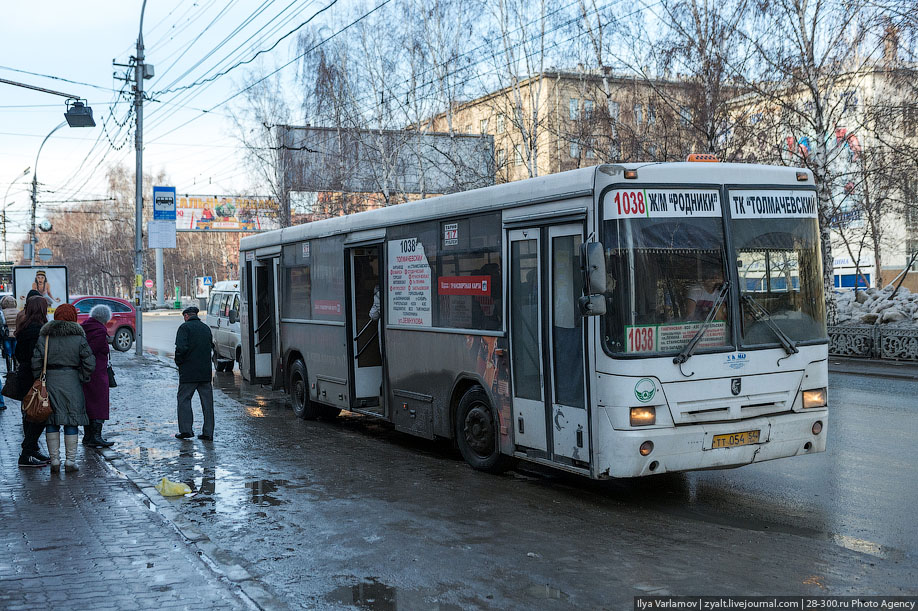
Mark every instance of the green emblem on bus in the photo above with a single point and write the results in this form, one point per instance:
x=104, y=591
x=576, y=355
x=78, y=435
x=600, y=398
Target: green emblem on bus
x=644, y=390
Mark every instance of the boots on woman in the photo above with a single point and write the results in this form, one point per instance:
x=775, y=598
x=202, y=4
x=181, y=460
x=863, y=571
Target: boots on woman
x=70, y=446
x=97, y=440
x=54, y=450
x=88, y=432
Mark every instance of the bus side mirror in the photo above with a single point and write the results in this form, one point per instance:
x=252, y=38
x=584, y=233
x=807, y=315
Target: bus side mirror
x=592, y=305
x=233, y=317
x=594, y=267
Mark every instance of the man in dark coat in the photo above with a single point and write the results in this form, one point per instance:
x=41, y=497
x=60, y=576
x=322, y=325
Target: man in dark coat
x=193, y=350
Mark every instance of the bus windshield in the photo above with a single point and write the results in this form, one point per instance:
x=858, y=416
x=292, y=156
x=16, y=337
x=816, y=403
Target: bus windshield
x=666, y=264
x=778, y=260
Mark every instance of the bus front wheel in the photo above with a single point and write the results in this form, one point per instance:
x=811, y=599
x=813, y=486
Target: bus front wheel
x=477, y=432
x=303, y=406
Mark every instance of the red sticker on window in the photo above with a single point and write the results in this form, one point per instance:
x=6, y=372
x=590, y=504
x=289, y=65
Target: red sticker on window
x=464, y=285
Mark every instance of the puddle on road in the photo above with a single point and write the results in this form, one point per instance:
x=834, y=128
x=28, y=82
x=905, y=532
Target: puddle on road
x=372, y=594
x=226, y=491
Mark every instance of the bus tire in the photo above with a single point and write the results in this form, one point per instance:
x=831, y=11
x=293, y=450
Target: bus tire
x=303, y=406
x=477, y=432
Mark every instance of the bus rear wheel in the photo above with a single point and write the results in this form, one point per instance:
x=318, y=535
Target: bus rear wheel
x=303, y=406
x=477, y=432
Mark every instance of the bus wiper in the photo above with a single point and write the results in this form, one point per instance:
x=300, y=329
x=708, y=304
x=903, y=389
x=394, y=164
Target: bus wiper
x=690, y=347
x=760, y=313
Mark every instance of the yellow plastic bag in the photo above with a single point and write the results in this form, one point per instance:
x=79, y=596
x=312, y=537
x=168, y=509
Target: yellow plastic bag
x=169, y=488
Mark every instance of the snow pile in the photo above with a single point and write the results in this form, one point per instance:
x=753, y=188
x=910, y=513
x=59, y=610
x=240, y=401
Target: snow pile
x=874, y=306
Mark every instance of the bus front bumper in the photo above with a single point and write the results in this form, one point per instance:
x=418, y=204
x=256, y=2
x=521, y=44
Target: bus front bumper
x=690, y=447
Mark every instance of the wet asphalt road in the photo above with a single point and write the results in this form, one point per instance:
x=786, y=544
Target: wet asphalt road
x=345, y=512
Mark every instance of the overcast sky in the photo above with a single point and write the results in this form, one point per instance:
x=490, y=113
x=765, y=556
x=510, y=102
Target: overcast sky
x=78, y=41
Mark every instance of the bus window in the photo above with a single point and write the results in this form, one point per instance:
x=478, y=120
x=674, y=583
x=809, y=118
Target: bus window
x=470, y=283
x=667, y=272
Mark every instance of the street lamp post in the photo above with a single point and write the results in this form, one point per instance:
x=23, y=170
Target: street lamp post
x=23, y=175
x=141, y=72
x=33, y=238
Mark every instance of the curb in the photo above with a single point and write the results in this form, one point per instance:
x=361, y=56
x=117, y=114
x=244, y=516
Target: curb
x=891, y=369
x=221, y=562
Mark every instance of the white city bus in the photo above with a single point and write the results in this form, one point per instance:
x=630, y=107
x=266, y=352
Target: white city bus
x=613, y=321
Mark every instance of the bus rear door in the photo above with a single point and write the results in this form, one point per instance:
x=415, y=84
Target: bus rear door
x=550, y=418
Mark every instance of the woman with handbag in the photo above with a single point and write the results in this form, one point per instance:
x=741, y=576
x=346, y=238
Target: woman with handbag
x=69, y=363
x=28, y=326
x=96, y=389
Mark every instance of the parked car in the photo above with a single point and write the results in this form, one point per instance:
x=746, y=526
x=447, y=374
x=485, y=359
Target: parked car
x=121, y=327
x=223, y=320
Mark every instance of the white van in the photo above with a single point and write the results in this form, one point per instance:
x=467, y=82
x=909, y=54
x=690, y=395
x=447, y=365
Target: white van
x=223, y=320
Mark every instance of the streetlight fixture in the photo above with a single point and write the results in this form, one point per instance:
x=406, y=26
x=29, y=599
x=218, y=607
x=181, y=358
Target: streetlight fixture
x=23, y=175
x=79, y=114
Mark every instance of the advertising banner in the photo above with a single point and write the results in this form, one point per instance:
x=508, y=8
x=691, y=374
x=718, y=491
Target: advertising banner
x=50, y=281
x=226, y=213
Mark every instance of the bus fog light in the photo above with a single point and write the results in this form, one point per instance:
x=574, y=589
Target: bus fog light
x=643, y=416
x=646, y=448
x=817, y=427
x=814, y=398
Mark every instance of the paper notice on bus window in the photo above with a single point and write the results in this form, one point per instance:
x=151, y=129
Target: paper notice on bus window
x=409, y=284
x=773, y=203
x=661, y=203
x=673, y=338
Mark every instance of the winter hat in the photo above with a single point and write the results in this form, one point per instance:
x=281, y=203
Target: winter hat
x=65, y=311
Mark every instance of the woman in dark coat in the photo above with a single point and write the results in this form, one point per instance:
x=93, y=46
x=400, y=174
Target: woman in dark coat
x=70, y=363
x=96, y=389
x=28, y=325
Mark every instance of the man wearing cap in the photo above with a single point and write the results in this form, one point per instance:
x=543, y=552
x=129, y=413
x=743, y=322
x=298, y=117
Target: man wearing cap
x=193, y=351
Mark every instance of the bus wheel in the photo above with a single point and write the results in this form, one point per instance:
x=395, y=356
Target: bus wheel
x=476, y=432
x=303, y=407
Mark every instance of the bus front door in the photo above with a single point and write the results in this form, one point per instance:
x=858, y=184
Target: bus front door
x=265, y=322
x=547, y=344
x=364, y=328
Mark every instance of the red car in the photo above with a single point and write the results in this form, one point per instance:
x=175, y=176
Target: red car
x=120, y=327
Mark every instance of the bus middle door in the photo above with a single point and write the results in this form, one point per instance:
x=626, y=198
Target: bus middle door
x=546, y=335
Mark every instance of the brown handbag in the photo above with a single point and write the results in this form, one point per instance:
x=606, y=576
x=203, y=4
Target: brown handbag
x=36, y=406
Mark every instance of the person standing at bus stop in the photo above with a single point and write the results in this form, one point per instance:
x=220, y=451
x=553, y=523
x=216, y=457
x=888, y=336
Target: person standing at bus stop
x=193, y=350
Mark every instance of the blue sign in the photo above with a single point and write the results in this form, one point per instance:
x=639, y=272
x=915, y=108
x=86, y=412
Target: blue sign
x=208, y=280
x=163, y=203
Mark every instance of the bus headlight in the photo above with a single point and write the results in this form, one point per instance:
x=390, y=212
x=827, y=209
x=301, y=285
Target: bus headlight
x=814, y=398
x=643, y=416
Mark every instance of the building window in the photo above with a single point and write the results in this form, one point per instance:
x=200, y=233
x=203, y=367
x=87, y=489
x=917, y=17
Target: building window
x=573, y=111
x=651, y=115
x=638, y=114
x=575, y=149
x=468, y=129
x=588, y=109
x=588, y=151
x=685, y=116
x=500, y=124
x=501, y=157
x=909, y=119
x=483, y=126
x=614, y=111
x=517, y=155
x=911, y=247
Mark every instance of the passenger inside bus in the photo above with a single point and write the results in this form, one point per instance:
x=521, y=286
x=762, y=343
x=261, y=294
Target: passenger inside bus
x=701, y=297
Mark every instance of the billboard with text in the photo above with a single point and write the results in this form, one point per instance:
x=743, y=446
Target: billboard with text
x=226, y=213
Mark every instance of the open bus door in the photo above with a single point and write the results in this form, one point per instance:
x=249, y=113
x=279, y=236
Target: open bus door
x=364, y=328
x=264, y=325
x=550, y=418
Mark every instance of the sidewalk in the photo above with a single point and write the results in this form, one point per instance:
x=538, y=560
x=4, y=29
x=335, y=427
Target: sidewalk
x=871, y=367
x=90, y=540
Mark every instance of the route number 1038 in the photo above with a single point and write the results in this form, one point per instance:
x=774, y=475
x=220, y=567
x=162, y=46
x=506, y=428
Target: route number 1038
x=642, y=339
x=630, y=203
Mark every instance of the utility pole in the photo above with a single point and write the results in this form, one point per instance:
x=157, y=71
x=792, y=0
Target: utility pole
x=140, y=73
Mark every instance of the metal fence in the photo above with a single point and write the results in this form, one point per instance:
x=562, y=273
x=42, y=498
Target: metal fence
x=874, y=341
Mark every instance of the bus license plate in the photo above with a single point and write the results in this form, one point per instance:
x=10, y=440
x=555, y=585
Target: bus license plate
x=734, y=440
